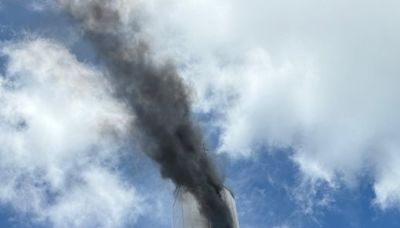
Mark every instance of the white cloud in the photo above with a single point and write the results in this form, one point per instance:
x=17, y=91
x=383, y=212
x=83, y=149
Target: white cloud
x=319, y=77
x=60, y=131
x=105, y=201
x=39, y=5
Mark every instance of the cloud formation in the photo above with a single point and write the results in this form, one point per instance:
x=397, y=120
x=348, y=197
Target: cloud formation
x=61, y=132
x=320, y=78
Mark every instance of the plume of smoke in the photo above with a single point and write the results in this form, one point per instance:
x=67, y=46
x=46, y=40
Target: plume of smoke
x=160, y=101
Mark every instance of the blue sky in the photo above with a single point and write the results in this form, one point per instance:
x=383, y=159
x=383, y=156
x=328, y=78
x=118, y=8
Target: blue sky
x=298, y=109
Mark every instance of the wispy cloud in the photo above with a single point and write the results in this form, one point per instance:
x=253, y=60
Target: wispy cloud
x=40, y=6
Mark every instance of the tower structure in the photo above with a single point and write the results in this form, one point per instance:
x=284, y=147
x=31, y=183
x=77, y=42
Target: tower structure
x=186, y=212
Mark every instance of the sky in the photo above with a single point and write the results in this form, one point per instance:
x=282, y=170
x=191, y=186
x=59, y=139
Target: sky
x=297, y=100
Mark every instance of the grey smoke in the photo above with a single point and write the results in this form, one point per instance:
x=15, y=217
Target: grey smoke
x=161, y=102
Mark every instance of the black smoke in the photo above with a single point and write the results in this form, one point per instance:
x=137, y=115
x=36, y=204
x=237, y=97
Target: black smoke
x=160, y=101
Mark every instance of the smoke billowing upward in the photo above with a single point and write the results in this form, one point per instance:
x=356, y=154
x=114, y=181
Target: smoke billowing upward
x=160, y=101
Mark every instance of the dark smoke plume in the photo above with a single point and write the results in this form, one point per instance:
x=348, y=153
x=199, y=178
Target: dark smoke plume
x=160, y=101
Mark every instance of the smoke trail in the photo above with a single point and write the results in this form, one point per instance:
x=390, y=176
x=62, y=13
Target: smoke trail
x=161, y=103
